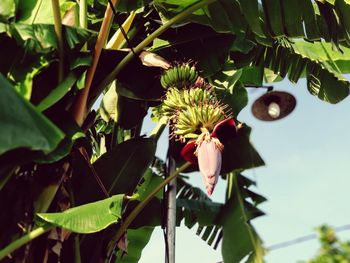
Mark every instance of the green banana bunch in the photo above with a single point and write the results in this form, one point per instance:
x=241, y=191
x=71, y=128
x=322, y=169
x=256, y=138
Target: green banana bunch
x=179, y=76
x=191, y=121
x=193, y=108
x=178, y=100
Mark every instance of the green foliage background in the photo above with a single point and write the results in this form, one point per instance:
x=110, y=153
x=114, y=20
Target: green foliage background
x=104, y=168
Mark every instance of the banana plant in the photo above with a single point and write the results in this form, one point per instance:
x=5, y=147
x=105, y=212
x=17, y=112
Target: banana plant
x=78, y=179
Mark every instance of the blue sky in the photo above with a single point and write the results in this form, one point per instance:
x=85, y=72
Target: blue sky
x=306, y=179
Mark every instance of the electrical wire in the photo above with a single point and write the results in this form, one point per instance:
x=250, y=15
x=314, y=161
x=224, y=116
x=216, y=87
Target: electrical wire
x=121, y=28
x=302, y=239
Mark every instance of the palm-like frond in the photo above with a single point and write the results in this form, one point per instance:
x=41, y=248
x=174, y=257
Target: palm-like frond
x=270, y=19
x=194, y=207
x=229, y=223
x=317, y=62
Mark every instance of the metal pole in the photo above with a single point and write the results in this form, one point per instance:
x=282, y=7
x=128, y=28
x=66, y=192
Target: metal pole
x=171, y=213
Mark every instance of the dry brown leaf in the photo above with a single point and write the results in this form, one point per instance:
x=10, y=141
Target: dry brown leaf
x=123, y=243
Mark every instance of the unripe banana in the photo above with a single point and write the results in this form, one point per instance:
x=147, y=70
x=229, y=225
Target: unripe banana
x=187, y=116
x=186, y=96
x=184, y=131
x=193, y=109
x=191, y=136
x=179, y=76
x=193, y=96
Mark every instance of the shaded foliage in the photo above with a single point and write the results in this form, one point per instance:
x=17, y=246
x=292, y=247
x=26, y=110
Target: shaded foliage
x=106, y=168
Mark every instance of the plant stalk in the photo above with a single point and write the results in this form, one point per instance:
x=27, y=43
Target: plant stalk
x=77, y=255
x=36, y=12
x=171, y=213
x=45, y=198
x=76, y=15
x=7, y=174
x=83, y=13
x=58, y=29
x=112, y=75
x=48, y=192
x=83, y=17
x=79, y=108
x=24, y=240
x=230, y=186
x=142, y=204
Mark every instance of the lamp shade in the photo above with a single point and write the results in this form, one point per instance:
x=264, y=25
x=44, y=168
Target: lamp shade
x=273, y=106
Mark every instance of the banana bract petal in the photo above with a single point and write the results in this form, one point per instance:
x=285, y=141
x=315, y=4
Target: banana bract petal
x=225, y=130
x=209, y=162
x=187, y=152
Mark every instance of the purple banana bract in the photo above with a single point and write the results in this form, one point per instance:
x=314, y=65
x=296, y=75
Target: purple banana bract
x=207, y=152
x=209, y=162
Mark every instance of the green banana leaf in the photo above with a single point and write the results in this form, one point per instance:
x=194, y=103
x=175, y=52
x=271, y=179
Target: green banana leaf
x=318, y=63
x=239, y=236
x=20, y=117
x=88, y=218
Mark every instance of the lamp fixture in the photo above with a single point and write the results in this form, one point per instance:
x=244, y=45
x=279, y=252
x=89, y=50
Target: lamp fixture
x=273, y=105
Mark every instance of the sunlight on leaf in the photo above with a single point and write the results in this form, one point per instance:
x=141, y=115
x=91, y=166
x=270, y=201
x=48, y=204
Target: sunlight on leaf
x=88, y=218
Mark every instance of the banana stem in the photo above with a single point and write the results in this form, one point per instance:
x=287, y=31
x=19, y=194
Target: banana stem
x=83, y=17
x=77, y=255
x=58, y=30
x=76, y=16
x=83, y=13
x=45, y=198
x=24, y=240
x=112, y=75
x=142, y=204
x=79, y=108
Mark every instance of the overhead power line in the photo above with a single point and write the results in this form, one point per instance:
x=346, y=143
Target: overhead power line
x=303, y=239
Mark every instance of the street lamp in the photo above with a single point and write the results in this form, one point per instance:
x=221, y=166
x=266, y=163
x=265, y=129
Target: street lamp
x=273, y=105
